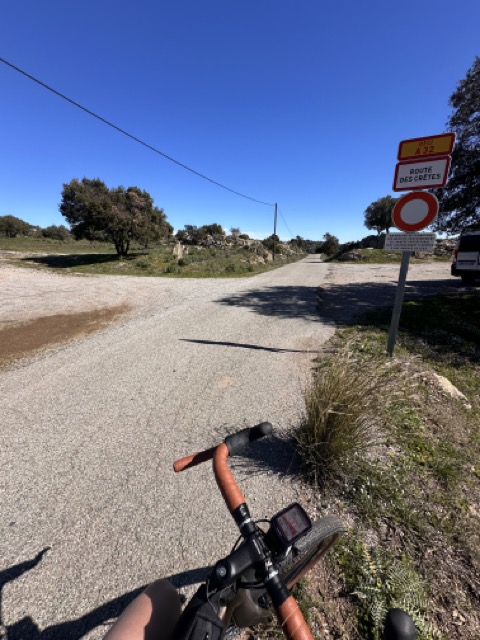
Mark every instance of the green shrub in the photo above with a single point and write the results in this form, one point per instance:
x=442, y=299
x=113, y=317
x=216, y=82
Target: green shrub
x=142, y=263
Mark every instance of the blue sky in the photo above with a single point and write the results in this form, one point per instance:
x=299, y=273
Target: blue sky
x=299, y=102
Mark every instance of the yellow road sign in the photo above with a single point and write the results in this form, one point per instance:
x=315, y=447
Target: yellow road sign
x=424, y=147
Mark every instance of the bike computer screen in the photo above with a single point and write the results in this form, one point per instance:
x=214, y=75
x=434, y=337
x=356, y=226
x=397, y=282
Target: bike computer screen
x=291, y=524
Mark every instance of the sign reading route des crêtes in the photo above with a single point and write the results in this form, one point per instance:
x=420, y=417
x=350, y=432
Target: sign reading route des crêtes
x=421, y=174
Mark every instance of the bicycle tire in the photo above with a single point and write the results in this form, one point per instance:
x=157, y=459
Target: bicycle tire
x=301, y=557
x=307, y=551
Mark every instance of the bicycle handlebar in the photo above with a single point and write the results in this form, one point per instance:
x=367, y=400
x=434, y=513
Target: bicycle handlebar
x=289, y=615
x=193, y=459
x=235, y=443
x=226, y=482
x=292, y=620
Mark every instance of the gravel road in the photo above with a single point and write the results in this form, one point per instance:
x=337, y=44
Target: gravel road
x=89, y=429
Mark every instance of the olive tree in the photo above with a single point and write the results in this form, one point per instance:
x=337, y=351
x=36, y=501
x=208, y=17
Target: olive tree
x=378, y=214
x=12, y=226
x=117, y=215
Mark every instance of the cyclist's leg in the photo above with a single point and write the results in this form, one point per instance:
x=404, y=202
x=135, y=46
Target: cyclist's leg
x=151, y=616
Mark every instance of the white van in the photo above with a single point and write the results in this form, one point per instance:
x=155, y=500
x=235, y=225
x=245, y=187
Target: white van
x=466, y=259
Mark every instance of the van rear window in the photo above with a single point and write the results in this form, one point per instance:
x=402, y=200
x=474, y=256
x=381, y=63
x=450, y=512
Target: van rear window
x=469, y=243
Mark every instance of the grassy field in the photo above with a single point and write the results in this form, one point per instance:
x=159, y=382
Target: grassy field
x=47, y=245
x=100, y=258
x=411, y=486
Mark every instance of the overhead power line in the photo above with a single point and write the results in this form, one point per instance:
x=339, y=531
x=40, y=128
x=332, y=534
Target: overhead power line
x=129, y=135
x=285, y=223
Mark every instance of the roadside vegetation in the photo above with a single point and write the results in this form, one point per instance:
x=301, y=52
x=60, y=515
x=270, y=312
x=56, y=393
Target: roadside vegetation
x=83, y=256
x=394, y=444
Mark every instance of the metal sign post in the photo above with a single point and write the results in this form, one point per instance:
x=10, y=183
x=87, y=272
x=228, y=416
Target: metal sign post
x=397, y=307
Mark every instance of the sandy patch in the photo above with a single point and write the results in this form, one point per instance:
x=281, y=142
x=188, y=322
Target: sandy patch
x=40, y=333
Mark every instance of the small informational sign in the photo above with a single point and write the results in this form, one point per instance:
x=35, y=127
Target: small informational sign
x=415, y=211
x=439, y=145
x=421, y=174
x=424, y=242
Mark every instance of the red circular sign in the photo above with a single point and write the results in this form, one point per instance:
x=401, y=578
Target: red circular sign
x=415, y=211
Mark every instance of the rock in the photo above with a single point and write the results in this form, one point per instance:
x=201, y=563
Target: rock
x=178, y=250
x=451, y=389
x=444, y=247
x=349, y=256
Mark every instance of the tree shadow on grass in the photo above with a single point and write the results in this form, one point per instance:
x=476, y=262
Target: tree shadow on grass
x=73, y=260
x=346, y=304
x=438, y=315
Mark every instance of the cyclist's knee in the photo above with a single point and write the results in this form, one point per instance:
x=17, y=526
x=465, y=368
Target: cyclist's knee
x=162, y=592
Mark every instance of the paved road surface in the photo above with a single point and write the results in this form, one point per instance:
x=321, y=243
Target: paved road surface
x=89, y=432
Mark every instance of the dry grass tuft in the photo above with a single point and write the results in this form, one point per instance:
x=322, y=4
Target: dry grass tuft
x=342, y=419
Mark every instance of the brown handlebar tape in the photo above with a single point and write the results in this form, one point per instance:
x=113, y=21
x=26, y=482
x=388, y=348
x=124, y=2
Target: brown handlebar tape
x=292, y=621
x=225, y=480
x=193, y=459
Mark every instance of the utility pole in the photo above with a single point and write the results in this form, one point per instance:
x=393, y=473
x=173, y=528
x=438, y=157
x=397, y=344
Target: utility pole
x=274, y=230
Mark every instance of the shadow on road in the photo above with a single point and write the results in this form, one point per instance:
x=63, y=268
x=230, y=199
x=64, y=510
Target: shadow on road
x=246, y=346
x=275, y=454
x=281, y=302
x=336, y=303
x=26, y=628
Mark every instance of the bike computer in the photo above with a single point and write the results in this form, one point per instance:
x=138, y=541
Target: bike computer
x=290, y=524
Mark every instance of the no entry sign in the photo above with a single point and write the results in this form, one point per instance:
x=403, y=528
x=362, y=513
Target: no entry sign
x=415, y=211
